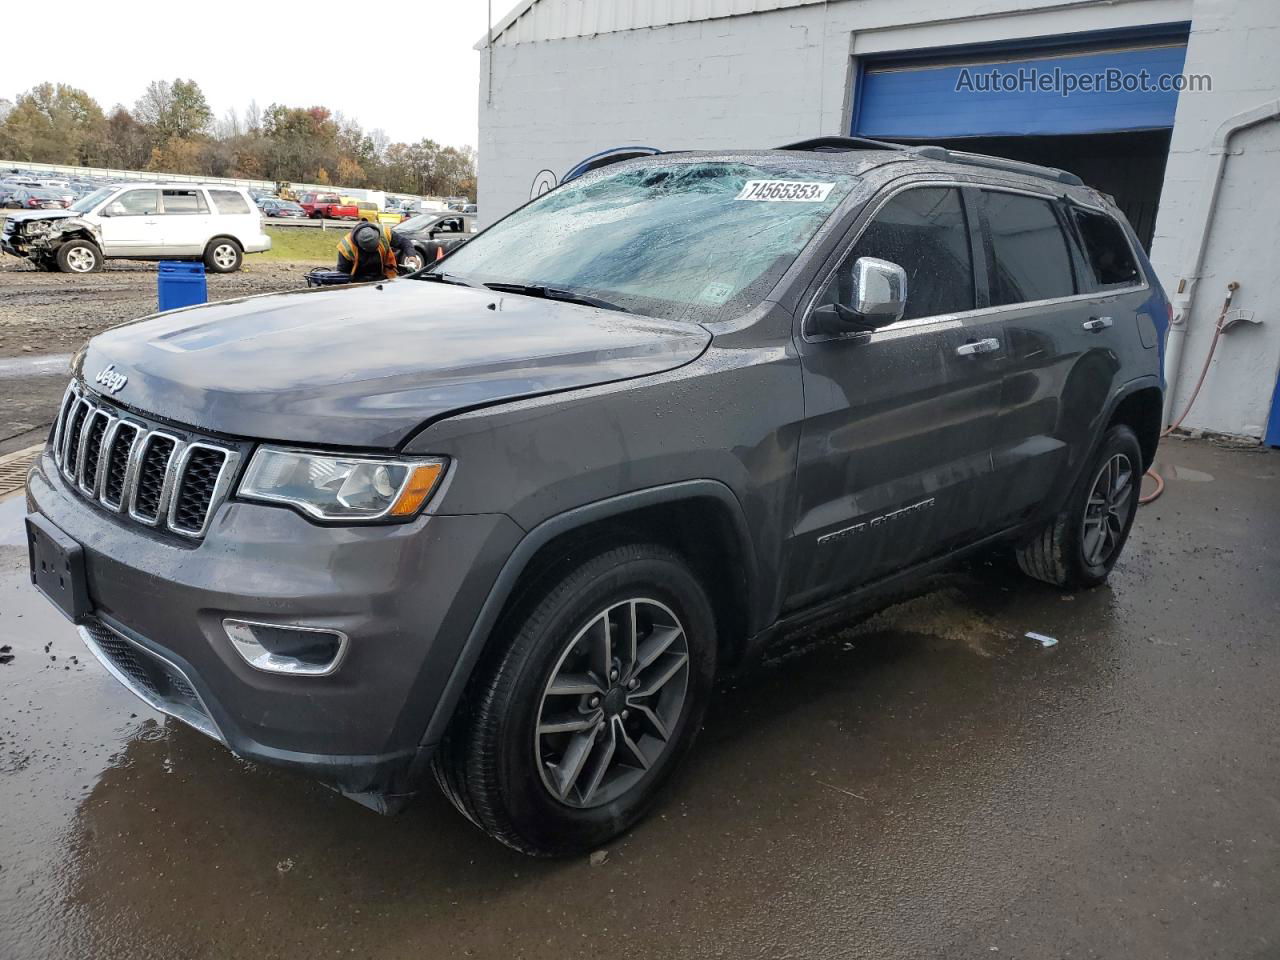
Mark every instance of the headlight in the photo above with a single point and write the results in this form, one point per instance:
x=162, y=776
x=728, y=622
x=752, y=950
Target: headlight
x=333, y=487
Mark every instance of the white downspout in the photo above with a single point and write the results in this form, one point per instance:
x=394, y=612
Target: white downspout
x=1199, y=228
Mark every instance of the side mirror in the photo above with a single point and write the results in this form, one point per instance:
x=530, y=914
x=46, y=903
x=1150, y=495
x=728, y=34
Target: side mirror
x=113, y=209
x=879, y=298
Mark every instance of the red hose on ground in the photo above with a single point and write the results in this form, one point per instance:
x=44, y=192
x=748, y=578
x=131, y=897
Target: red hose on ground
x=1218, y=330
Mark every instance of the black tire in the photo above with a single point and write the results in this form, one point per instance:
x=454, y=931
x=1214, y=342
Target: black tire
x=223, y=255
x=1063, y=553
x=79, y=256
x=488, y=762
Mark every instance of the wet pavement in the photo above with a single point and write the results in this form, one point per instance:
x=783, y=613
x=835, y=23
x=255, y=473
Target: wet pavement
x=930, y=783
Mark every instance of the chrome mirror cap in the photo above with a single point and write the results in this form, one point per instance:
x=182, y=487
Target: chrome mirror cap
x=879, y=291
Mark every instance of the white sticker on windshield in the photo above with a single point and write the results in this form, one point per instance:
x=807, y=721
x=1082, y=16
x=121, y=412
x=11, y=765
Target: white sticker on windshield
x=794, y=190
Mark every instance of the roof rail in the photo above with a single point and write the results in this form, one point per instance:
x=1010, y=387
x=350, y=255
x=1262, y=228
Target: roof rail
x=842, y=144
x=933, y=152
x=998, y=163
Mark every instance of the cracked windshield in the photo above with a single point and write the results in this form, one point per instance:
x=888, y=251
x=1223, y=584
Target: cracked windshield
x=690, y=241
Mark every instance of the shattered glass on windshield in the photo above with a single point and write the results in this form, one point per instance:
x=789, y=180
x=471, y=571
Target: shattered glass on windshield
x=676, y=240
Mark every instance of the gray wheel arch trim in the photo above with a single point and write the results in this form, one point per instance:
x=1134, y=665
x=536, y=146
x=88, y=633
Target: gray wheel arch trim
x=1125, y=390
x=1073, y=477
x=549, y=529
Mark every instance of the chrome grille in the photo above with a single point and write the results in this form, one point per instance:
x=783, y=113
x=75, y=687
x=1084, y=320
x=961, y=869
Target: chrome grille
x=118, y=450
x=197, y=481
x=157, y=477
x=157, y=454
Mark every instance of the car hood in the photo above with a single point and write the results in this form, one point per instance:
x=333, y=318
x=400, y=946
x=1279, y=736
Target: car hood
x=19, y=215
x=366, y=366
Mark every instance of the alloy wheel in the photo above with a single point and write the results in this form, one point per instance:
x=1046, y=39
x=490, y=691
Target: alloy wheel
x=81, y=260
x=613, y=702
x=1108, y=510
x=224, y=255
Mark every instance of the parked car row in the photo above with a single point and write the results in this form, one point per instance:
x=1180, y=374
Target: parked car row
x=327, y=205
x=33, y=198
x=67, y=189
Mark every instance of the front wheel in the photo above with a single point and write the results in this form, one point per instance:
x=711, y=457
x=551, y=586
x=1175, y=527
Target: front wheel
x=223, y=255
x=1079, y=546
x=567, y=739
x=79, y=256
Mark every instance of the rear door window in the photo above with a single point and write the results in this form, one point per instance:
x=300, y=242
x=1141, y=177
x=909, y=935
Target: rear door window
x=924, y=231
x=1030, y=259
x=1108, y=256
x=184, y=202
x=229, y=201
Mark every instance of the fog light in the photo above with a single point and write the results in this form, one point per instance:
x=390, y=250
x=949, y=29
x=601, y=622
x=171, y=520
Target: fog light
x=278, y=648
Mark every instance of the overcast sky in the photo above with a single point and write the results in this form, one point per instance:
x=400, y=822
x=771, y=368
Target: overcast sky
x=374, y=61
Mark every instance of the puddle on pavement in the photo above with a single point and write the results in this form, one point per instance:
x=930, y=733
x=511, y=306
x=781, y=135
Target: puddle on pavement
x=1174, y=472
x=13, y=509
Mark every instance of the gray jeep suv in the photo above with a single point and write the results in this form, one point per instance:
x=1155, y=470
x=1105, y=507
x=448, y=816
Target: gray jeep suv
x=506, y=520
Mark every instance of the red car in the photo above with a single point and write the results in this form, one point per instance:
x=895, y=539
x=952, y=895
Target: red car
x=328, y=206
x=30, y=198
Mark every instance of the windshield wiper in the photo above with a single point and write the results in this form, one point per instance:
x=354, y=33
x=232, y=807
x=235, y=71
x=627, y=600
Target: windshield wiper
x=554, y=293
x=447, y=278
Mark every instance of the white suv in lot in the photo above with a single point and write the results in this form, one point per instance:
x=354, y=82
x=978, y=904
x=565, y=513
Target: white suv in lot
x=141, y=221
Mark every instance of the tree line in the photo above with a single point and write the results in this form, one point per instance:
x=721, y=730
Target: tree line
x=171, y=129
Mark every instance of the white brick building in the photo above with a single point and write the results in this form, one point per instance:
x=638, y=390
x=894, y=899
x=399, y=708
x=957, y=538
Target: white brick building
x=567, y=79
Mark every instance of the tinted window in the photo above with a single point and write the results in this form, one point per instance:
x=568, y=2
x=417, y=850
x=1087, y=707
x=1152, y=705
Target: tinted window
x=923, y=231
x=1029, y=252
x=229, y=201
x=184, y=202
x=1107, y=249
x=134, y=203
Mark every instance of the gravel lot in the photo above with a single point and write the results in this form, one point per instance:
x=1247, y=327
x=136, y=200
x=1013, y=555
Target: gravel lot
x=46, y=316
x=55, y=313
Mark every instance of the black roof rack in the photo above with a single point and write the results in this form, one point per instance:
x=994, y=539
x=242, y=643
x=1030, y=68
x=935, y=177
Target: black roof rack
x=842, y=145
x=933, y=152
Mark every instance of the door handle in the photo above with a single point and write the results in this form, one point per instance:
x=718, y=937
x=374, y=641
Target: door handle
x=990, y=345
x=1096, y=324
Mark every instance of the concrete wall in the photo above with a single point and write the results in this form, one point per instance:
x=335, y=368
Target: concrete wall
x=764, y=79
x=757, y=80
x=1238, y=44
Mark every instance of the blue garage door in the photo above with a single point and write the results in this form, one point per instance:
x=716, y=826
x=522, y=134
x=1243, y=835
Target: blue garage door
x=1063, y=85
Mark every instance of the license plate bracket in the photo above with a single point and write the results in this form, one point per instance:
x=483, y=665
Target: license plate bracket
x=57, y=568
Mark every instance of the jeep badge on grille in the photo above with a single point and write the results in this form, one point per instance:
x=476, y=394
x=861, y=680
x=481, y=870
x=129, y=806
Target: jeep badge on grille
x=108, y=377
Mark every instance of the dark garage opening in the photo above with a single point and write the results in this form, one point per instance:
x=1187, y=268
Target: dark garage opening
x=1129, y=166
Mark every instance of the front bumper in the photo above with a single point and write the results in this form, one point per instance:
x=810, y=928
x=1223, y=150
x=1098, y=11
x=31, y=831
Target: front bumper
x=406, y=595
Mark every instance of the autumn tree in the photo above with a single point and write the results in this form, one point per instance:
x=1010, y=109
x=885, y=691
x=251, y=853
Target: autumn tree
x=53, y=124
x=127, y=143
x=171, y=129
x=170, y=110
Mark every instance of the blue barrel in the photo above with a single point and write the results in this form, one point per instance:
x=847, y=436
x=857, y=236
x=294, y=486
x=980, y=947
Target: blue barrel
x=181, y=284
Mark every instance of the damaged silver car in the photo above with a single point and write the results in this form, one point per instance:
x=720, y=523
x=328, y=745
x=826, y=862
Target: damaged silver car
x=140, y=221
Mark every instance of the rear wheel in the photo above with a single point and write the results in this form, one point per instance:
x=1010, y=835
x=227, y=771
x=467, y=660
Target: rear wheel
x=79, y=256
x=567, y=739
x=223, y=255
x=1079, y=547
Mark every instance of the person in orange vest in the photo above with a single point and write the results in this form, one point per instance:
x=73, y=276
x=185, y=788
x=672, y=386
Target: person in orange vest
x=372, y=252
